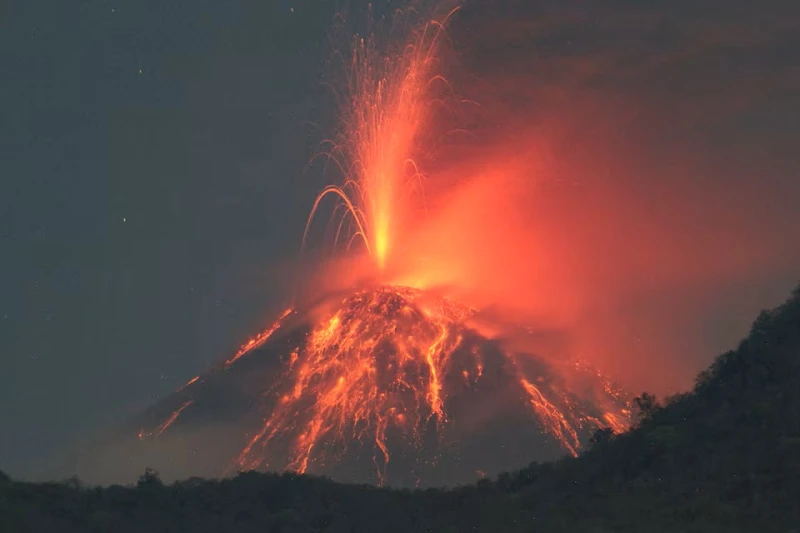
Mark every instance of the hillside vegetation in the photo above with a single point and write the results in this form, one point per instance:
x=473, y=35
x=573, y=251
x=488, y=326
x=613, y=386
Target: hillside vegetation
x=724, y=457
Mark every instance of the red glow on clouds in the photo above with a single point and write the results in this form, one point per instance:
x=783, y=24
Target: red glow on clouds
x=596, y=213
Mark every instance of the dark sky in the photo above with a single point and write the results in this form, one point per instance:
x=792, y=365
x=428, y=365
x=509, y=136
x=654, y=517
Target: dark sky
x=152, y=156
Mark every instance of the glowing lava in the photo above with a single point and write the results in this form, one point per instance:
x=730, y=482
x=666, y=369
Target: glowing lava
x=384, y=374
x=383, y=115
x=258, y=340
x=170, y=419
x=385, y=359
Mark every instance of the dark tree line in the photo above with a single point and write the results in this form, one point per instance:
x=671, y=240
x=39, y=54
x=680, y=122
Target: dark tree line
x=724, y=457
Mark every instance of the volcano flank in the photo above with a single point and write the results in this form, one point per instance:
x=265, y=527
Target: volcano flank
x=387, y=385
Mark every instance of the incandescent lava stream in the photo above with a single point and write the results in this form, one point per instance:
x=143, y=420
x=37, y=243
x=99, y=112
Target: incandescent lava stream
x=387, y=385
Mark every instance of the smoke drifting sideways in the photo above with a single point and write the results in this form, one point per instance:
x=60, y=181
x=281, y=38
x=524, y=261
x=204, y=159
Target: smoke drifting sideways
x=588, y=179
x=647, y=225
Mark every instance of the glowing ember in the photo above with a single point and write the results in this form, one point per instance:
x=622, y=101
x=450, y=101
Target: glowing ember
x=258, y=340
x=193, y=380
x=173, y=417
x=618, y=422
x=166, y=423
x=552, y=418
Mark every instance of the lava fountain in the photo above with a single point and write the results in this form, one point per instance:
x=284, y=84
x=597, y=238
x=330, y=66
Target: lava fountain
x=384, y=112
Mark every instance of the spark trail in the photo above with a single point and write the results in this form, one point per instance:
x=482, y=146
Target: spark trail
x=384, y=114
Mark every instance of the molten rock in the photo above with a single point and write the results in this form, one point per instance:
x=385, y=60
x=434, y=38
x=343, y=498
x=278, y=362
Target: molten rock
x=387, y=386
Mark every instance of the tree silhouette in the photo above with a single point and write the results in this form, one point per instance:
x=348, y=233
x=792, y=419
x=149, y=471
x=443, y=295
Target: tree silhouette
x=601, y=436
x=647, y=404
x=150, y=478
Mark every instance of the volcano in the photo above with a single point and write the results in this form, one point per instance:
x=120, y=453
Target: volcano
x=385, y=385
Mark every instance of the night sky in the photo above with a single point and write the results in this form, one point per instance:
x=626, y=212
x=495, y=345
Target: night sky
x=152, y=184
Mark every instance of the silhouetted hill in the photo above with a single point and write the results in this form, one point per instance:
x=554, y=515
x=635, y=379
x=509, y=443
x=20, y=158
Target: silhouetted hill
x=725, y=457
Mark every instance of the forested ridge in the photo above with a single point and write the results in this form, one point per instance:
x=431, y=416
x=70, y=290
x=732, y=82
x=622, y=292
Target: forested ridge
x=723, y=457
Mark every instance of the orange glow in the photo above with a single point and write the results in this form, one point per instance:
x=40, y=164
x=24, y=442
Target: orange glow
x=173, y=417
x=193, y=380
x=142, y=434
x=383, y=115
x=552, y=419
x=380, y=360
x=616, y=422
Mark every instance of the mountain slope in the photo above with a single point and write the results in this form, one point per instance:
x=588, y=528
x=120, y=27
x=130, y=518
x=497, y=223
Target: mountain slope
x=381, y=385
x=725, y=457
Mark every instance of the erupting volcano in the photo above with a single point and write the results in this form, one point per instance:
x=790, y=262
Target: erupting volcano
x=387, y=381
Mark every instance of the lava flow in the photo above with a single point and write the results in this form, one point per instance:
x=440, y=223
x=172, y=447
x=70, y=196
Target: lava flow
x=391, y=358
x=386, y=376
